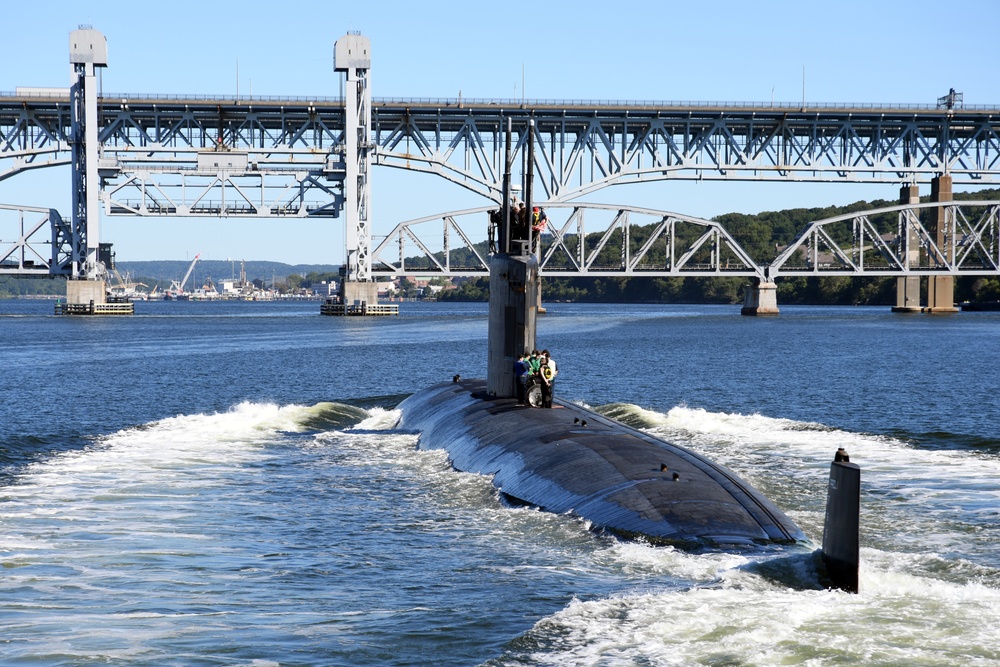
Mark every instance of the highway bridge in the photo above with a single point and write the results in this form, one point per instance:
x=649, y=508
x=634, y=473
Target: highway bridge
x=265, y=157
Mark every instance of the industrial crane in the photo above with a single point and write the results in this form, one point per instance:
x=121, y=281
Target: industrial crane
x=176, y=289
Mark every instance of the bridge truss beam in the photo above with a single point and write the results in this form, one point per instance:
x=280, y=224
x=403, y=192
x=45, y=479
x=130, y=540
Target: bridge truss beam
x=635, y=242
x=146, y=140
x=881, y=242
x=234, y=159
x=580, y=149
x=296, y=157
x=37, y=242
x=34, y=131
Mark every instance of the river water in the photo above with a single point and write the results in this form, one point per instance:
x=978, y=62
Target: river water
x=222, y=484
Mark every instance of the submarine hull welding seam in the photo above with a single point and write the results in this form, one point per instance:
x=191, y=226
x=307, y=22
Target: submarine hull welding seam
x=573, y=460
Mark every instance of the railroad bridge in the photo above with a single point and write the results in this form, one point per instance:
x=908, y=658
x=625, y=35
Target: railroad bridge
x=267, y=157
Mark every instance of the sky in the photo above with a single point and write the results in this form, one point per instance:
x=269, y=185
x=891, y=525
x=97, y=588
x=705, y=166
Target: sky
x=888, y=51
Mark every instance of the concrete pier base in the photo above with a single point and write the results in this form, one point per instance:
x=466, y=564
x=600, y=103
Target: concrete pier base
x=940, y=292
x=760, y=298
x=89, y=297
x=941, y=289
x=352, y=292
x=86, y=291
x=357, y=298
x=908, y=288
x=940, y=295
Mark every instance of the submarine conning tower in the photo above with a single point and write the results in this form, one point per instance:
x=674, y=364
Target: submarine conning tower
x=514, y=284
x=513, y=309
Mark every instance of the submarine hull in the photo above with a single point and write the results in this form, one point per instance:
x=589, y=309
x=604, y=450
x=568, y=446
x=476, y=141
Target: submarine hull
x=572, y=460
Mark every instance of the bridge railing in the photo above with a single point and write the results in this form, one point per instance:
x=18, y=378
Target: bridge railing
x=509, y=102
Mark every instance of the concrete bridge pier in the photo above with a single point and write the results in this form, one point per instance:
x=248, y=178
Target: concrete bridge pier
x=940, y=293
x=941, y=289
x=354, y=292
x=908, y=288
x=760, y=298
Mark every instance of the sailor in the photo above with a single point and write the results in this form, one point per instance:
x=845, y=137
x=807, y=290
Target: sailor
x=535, y=362
x=519, y=230
x=548, y=373
x=521, y=372
x=538, y=222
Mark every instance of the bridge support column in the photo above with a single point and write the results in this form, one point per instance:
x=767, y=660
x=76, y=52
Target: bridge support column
x=908, y=288
x=86, y=289
x=352, y=56
x=760, y=298
x=941, y=289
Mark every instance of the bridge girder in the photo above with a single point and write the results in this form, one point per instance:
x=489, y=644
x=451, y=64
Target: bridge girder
x=37, y=242
x=650, y=243
x=582, y=149
x=178, y=157
x=880, y=242
x=579, y=148
x=37, y=128
x=259, y=157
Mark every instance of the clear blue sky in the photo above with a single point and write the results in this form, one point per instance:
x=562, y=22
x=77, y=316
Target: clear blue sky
x=908, y=51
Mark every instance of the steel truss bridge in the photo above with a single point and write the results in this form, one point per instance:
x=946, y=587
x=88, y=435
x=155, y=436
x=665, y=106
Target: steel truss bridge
x=265, y=157
x=630, y=241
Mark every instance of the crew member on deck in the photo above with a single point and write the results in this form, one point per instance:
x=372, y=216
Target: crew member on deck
x=548, y=372
x=521, y=373
x=535, y=362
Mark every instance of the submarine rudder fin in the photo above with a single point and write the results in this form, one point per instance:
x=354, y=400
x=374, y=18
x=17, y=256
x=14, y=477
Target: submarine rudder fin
x=842, y=524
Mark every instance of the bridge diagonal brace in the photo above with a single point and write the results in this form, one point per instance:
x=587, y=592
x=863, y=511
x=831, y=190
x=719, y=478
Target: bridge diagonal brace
x=821, y=236
x=604, y=239
x=559, y=241
x=879, y=243
x=451, y=224
x=650, y=242
x=426, y=251
x=971, y=237
x=706, y=236
x=935, y=256
x=23, y=242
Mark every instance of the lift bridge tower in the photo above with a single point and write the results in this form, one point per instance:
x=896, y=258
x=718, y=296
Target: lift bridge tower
x=352, y=55
x=88, y=50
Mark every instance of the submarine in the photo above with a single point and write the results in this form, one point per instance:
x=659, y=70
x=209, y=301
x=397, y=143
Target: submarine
x=572, y=460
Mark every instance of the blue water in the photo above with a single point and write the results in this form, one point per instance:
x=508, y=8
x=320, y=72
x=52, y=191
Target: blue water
x=222, y=484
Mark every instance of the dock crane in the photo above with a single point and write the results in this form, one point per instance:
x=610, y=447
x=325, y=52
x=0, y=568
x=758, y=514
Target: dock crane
x=176, y=288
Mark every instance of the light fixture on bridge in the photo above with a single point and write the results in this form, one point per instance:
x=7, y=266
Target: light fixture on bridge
x=951, y=100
